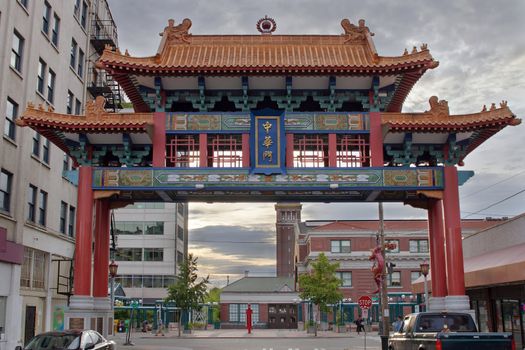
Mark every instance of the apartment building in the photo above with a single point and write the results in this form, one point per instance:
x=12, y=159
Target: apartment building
x=152, y=242
x=45, y=61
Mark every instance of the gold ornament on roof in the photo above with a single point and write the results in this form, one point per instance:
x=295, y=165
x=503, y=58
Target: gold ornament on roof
x=437, y=107
x=424, y=46
x=353, y=32
x=95, y=109
x=177, y=33
x=503, y=104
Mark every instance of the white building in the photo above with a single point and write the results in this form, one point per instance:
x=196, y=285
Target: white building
x=152, y=241
x=44, y=59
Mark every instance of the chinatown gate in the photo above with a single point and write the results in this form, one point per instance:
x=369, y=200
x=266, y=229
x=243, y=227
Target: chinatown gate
x=266, y=118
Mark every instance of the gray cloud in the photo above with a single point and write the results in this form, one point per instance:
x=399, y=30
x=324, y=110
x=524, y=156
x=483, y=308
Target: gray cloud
x=481, y=49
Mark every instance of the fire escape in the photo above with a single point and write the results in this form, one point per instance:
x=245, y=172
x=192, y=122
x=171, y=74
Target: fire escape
x=103, y=32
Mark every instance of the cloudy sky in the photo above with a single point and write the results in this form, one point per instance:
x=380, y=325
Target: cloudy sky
x=481, y=49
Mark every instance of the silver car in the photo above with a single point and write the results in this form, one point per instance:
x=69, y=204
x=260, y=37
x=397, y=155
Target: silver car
x=69, y=340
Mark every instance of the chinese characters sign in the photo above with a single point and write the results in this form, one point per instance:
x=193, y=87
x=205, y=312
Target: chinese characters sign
x=267, y=144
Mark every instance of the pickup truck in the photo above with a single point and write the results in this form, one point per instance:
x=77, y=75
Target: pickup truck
x=446, y=331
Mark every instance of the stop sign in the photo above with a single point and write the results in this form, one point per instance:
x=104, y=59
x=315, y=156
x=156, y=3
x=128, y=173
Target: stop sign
x=365, y=302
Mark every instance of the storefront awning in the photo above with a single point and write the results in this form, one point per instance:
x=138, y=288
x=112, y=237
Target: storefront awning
x=497, y=267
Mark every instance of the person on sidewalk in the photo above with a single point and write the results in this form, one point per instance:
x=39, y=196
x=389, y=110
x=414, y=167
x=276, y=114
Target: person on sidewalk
x=398, y=324
x=160, y=328
x=359, y=325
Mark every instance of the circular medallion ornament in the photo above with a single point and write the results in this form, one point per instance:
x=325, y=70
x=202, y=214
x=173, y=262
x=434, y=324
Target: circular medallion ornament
x=266, y=25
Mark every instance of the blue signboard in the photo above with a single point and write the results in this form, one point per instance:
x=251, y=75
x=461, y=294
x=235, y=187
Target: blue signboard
x=268, y=144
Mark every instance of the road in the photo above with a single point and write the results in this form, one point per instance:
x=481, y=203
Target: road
x=248, y=343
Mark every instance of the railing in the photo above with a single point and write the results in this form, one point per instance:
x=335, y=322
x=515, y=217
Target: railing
x=100, y=83
x=103, y=32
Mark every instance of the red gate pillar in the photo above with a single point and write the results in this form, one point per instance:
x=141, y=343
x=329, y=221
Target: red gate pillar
x=159, y=139
x=249, y=312
x=438, y=269
x=101, y=268
x=456, y=298
x=82, y=298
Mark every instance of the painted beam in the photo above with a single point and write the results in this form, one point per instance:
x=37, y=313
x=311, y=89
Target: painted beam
x=392, y=179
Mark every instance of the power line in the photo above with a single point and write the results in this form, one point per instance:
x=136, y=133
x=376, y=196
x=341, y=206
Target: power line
x=494, y=184
x=494, y=204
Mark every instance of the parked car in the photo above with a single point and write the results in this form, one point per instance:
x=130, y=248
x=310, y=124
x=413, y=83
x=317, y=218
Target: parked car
x=69, y=340
x=446, y=331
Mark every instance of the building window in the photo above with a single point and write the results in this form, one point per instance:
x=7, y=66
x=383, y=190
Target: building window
x=129, y=254
x=25, y=274
x=340, y=247
x=180, y=232
x=352, y=151
x=17, y=51
x=76, y=10
x=129, y=227
x=31, y=202
x=10, y=116
x=418, y=246
x=3, y=308
x=45, y=151
x=83, y=17
x=73, y=57
x=41, y=76
x=233, y=312
x=225, y=151
x=392, y=243
x=65, y=163
x=71, y=225
x=42, y=208
x=414, y=275
x=394, y=279
x=33, y=269
x=168, y=281
x=237, y=313
x=136, y=281
x=39, y=270
x=180, y=258
x=78, y=106
x=70, y=100
x=36, y=144
x=24, y=3
x=63, y=217
x=51, y=77
x=56, y=30
x=346, y=277
x=6, y=179
x=180, y=208
x=153, y=254
x=310, y=151
x=154, y=228
x=80, y=69
x=46, y=18
x=182, y=151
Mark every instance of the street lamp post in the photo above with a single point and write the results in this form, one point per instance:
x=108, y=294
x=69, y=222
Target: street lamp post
x=424, y=267
x=113, y=267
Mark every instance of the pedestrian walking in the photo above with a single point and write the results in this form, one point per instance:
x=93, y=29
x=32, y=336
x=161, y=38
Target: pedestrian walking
x=359, y=325
x=160, y=328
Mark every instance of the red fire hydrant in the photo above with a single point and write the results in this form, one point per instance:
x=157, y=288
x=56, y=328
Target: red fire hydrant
x=249, y=312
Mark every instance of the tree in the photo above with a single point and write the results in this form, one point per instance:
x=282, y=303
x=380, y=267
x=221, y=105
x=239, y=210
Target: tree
x=214, y=295
x=320, y=285
x=187, y=293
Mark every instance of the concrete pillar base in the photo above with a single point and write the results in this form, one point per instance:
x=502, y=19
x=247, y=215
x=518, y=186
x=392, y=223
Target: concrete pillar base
x=436, y=304
x=457, y=303
x=98, y=320
x=81, y=302
x=101, y=303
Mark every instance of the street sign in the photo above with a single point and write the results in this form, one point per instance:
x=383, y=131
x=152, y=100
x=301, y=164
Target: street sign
x=365, y=302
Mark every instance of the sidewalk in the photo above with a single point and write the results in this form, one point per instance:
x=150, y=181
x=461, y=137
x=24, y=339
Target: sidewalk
x=256, y=333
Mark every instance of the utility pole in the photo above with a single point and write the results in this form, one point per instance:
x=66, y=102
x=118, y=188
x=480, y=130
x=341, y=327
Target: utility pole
x=385, y=311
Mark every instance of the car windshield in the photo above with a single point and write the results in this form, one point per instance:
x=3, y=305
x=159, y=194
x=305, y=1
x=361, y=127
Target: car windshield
x=54, y=342
x=452, y=323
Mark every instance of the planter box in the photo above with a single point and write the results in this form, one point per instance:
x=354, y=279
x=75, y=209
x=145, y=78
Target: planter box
x=310, y=329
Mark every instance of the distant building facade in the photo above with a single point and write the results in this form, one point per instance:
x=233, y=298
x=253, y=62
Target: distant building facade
x=288, y=215
x=273, y=301
x=152, y=242
x=349, y=243
x=44, y=60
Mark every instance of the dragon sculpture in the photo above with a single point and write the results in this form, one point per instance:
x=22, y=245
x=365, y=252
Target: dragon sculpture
x=378, y=266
